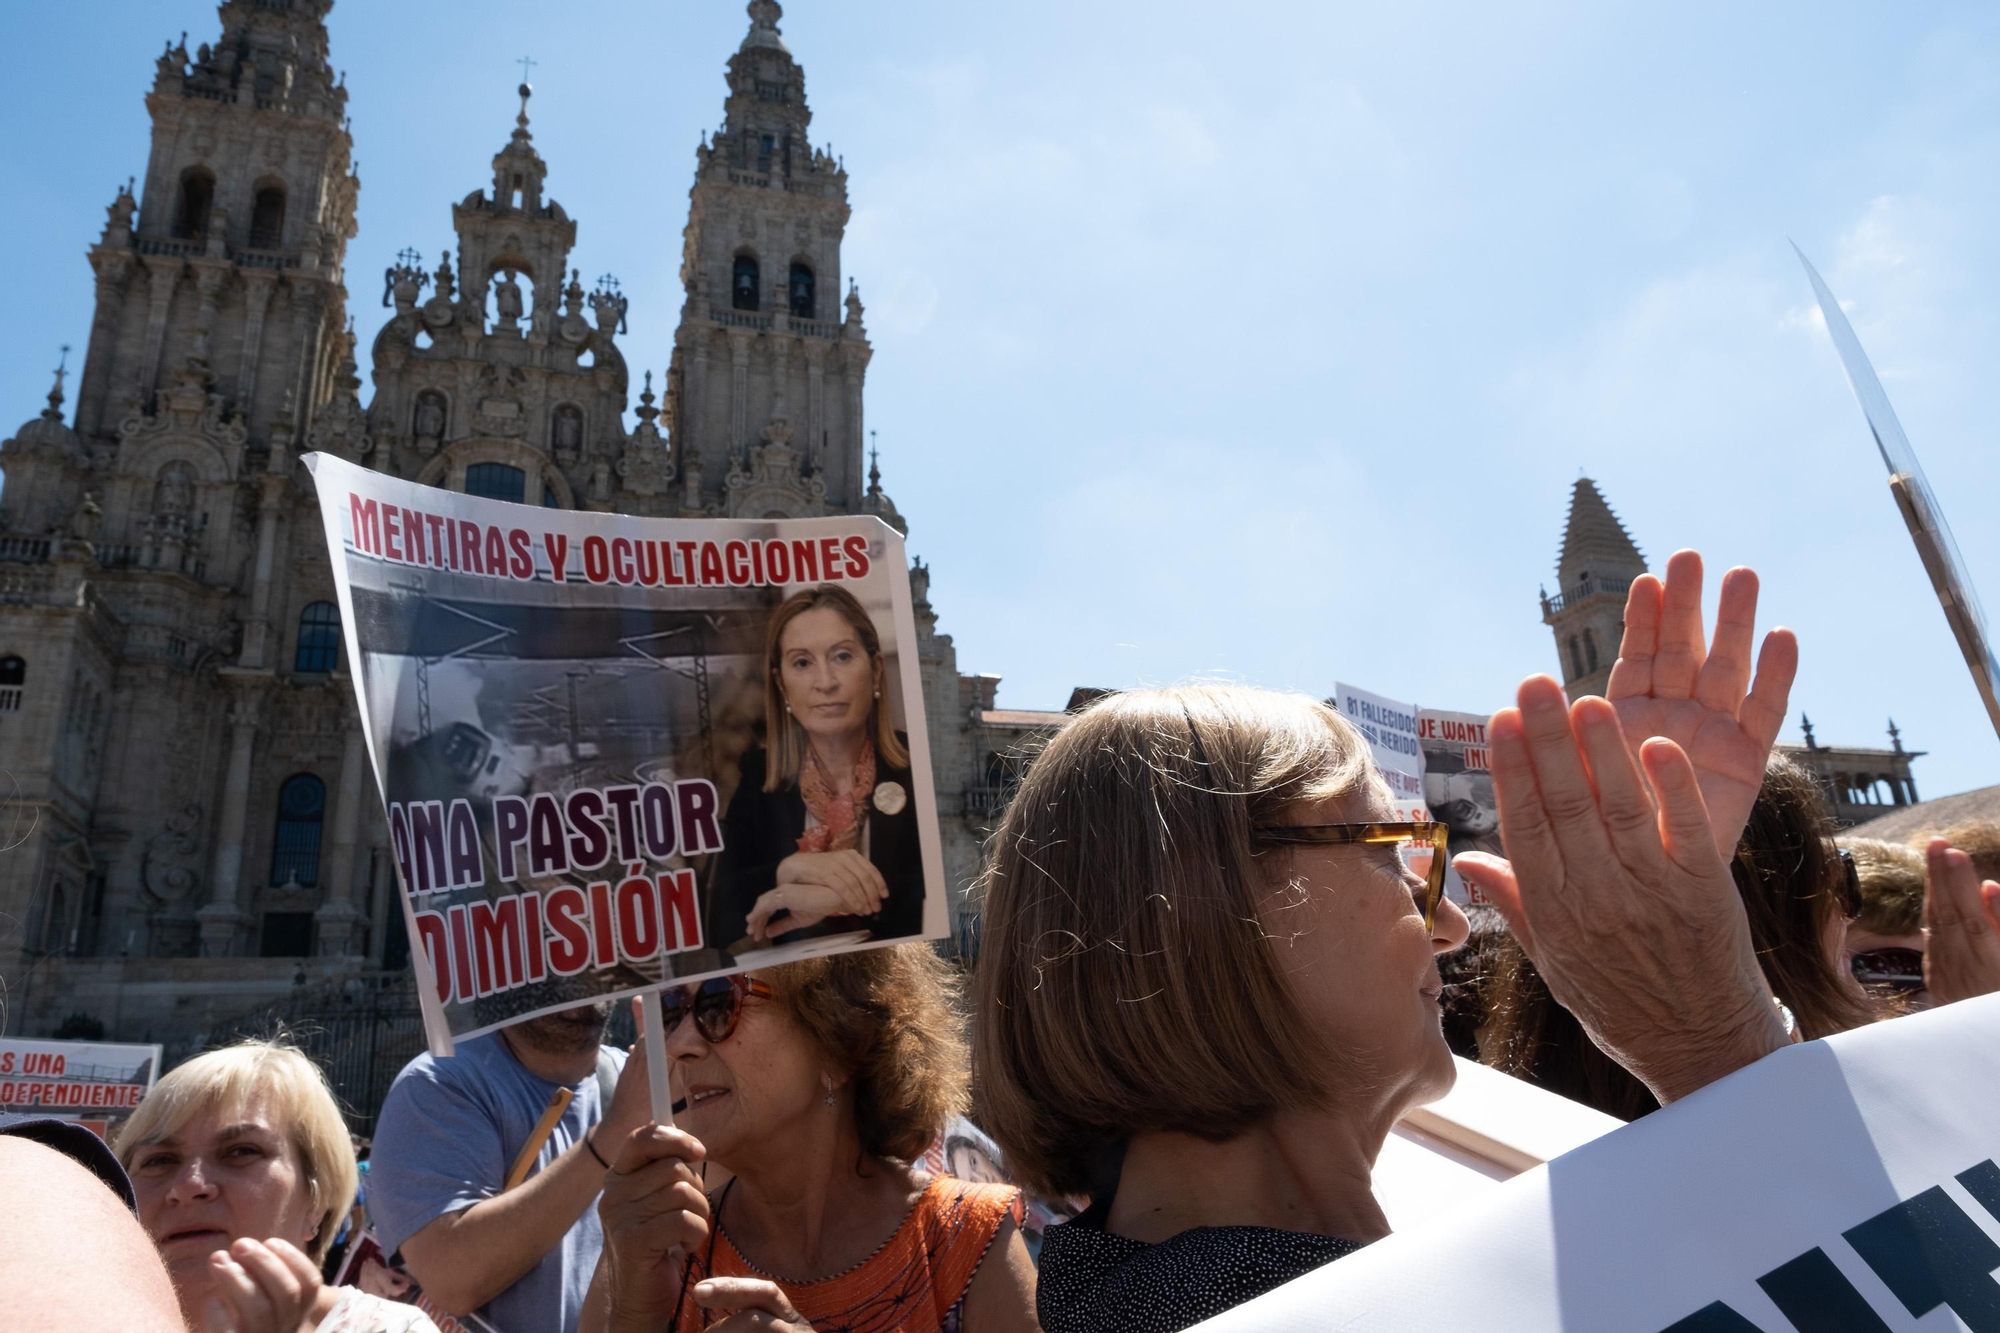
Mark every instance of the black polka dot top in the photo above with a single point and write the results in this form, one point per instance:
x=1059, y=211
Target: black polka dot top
x=1092, y=1281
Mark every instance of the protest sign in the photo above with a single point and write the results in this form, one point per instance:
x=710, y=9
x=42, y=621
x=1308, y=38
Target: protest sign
x=598, y=777
x=1848, y=1184
x=1458, y=788
x=364, y=1266
x=1488, y=1129
x=97, y=1083
x=1391, y=730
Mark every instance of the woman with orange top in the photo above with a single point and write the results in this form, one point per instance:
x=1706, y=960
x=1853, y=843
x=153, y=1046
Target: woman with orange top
x=815, y=1086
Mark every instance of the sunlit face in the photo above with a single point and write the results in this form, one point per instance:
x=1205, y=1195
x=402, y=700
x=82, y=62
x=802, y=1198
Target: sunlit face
x=747, y=1094
x=230, y=1172
x=825, y=674
x=1348, y=931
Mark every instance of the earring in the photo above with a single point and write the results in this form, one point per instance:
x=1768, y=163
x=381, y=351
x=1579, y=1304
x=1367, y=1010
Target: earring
x=826, y=1080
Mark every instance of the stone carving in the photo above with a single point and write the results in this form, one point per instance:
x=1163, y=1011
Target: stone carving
x=427, y=422
x=500, y=413
x=566, y=433
x=164, y=867
x=507, y=299
x=188, y=410
x=341, y=427
x=173, y=492
x=644, y=465
x=768, y=479
x=573, y=329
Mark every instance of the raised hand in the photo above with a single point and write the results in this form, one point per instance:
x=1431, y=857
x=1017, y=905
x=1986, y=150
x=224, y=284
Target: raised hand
x=1962, y=926
x=654, y=1214
x=1617, y=892
x=1665, y=683
x=261, y=1287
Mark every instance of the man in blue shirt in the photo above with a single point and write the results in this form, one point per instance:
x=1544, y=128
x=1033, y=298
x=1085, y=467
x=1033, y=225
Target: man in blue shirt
x=449, y=1130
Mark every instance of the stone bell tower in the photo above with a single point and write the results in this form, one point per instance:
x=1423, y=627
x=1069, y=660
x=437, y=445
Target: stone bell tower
x=765, y=387
x=507, y=381
x=157, y=556
x=1593, y=573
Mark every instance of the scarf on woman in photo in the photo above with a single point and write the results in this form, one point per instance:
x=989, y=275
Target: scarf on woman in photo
x=839, y=816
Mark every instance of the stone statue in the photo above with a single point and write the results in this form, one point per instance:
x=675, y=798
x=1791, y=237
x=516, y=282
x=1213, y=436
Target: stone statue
x=507, y=297
x=173, y=493
x=430, y=416
x=569, y=430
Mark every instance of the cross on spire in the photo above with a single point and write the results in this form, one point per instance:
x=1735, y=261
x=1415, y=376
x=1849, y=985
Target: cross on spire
x=526, y=63
x=54, y=410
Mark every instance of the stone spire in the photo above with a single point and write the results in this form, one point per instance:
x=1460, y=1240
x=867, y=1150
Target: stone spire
x=1594, y=571
x=876, y=501
x=54, y=410
x=764, y=16
x=1595, y=542
x=518, y=170
x=762, y=345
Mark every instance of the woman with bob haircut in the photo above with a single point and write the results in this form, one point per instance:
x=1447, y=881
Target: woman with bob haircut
x=817, y=1086
x=820, y=837
x=1208, y=982
x=244, y=1169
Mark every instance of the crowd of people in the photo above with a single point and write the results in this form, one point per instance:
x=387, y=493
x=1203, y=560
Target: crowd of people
x=1215, y=970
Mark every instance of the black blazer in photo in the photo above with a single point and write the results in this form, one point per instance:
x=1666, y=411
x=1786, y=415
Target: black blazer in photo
x=762, y=828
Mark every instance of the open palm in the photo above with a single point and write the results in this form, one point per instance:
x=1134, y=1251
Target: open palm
x=1666, y=683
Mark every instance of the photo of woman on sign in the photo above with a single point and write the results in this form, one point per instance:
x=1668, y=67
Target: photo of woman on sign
x=820, y=839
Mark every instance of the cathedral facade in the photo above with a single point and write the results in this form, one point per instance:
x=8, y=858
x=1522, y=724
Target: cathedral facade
x=191, y=830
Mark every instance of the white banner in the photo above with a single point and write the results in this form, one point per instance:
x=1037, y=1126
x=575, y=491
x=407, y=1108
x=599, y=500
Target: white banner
x=95, y=1082
x=1850, y=1185
x=1391, y=730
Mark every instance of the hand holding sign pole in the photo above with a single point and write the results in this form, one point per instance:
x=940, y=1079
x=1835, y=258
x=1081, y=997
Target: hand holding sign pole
x=1916, y=501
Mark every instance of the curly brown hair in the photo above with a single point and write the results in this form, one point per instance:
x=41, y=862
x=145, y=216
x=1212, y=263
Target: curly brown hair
x=891, y=1017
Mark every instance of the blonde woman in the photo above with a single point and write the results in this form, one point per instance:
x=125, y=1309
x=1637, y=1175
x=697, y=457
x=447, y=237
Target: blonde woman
x=821, y=835
x=243, y=1170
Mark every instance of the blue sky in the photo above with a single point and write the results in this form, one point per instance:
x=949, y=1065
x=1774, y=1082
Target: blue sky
x=1260, y=340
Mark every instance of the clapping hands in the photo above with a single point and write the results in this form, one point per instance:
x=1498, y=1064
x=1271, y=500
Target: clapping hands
x=1962, y=926
x=261, y=1287
x=1666, y=683
x=1620, y=815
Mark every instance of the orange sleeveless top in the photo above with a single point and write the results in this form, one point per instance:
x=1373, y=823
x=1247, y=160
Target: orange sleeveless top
x=913, y=1284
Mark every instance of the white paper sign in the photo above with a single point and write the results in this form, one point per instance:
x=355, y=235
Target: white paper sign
x=97, y=1082
x=1391, y=730
x=1839, y=1186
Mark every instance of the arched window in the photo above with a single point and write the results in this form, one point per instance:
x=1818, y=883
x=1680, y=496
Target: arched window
x=191, y=209
x=13, y=683
x=744, y=284
x=1590, y=647
x=295, y=845
x=319, y=638
x=267, y=218
x=1575, y=658
x=802, y=291
x=496, y=481
x=550, y=500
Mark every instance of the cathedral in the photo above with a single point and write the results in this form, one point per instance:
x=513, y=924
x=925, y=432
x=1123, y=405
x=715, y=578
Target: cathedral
x=192, y=833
